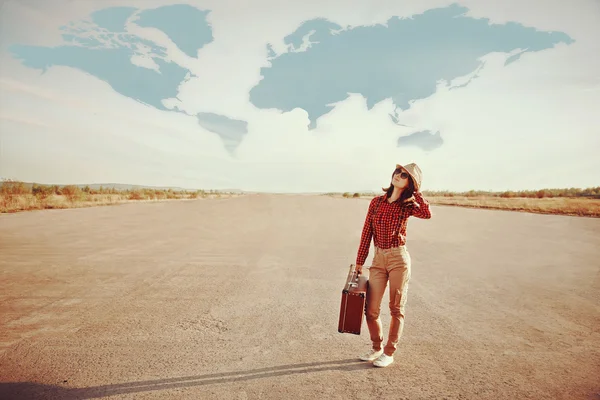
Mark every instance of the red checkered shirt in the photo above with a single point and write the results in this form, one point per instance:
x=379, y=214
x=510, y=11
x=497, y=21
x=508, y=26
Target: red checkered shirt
x=386, y=223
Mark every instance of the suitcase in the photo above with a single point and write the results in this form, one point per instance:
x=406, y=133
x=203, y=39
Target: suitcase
x=354, y=296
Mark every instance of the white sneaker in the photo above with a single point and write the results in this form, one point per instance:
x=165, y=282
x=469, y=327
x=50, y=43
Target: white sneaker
x=383, y=361
x=371, y=355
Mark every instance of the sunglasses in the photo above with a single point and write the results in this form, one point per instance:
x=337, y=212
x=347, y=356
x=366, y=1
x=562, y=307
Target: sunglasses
x=403, y=174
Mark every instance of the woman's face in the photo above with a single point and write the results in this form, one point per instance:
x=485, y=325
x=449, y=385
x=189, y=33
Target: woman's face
x=400, y=178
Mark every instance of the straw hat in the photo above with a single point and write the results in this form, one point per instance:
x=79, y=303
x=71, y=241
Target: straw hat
x=415, y=173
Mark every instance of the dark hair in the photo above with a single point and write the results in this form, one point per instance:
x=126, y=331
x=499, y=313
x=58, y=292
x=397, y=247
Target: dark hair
x=406, y=193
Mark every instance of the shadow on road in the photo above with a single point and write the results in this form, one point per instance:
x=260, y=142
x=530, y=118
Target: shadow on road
x=30, y=390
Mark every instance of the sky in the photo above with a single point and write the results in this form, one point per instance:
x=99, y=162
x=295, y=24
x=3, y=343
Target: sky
x=305, y=96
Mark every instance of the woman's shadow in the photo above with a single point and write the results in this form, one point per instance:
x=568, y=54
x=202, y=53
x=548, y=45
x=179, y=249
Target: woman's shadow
x=30, y=390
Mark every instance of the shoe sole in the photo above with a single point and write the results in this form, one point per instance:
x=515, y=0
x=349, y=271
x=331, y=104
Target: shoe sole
x=382, y=366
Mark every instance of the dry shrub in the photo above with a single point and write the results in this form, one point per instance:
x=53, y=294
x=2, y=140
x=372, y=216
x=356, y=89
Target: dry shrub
x=14, y=189
x=137, y=195
x=17, y=196
x=72, y=193
x=589, y=193
x=42, y=192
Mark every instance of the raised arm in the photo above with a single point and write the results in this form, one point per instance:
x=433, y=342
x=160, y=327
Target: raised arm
x=367, y=235
x=421, y=208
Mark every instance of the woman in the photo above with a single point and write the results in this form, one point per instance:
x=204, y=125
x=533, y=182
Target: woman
x=386, y=224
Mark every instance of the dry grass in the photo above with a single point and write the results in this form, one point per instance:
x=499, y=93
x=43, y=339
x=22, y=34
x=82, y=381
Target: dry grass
x=583, y=207
x=584, y=203
x=17, y=197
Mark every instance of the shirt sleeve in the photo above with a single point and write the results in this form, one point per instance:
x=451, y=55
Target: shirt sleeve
x=367, y=235
x=421, y=208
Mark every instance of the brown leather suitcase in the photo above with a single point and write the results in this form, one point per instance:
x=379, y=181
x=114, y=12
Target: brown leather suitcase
x=354, y=296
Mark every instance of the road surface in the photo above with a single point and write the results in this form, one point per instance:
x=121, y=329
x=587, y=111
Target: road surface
x=238, y=298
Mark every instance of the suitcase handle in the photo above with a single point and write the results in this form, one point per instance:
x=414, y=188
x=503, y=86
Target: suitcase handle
x=353, y=270
x=353, y=282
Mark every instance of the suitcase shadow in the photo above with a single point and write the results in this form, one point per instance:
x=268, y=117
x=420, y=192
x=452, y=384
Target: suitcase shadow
x=30, y=390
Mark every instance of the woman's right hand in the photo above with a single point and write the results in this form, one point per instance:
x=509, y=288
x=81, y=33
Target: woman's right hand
x=359, y=269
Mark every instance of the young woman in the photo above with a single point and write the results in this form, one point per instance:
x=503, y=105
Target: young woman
x=386, y=224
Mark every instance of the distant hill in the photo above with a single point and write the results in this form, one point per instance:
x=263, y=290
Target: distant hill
x=124, y=186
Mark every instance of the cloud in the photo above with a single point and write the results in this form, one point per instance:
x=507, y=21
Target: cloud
x=526, y=123
x=402, y=60
x=104, y=50
x=426, y=140
x=136, y=67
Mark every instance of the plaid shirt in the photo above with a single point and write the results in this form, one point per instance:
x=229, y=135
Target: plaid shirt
x=386, y=223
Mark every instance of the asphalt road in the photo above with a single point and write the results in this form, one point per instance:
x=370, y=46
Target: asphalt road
x=239, y=298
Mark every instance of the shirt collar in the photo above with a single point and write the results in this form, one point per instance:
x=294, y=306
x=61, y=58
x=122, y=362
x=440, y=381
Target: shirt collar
x=410, y=199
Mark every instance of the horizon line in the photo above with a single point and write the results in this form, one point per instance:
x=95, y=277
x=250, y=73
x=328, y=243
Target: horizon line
x=365, y=191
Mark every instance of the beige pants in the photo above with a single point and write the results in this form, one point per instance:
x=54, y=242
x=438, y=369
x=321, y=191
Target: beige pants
x=391, y=265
